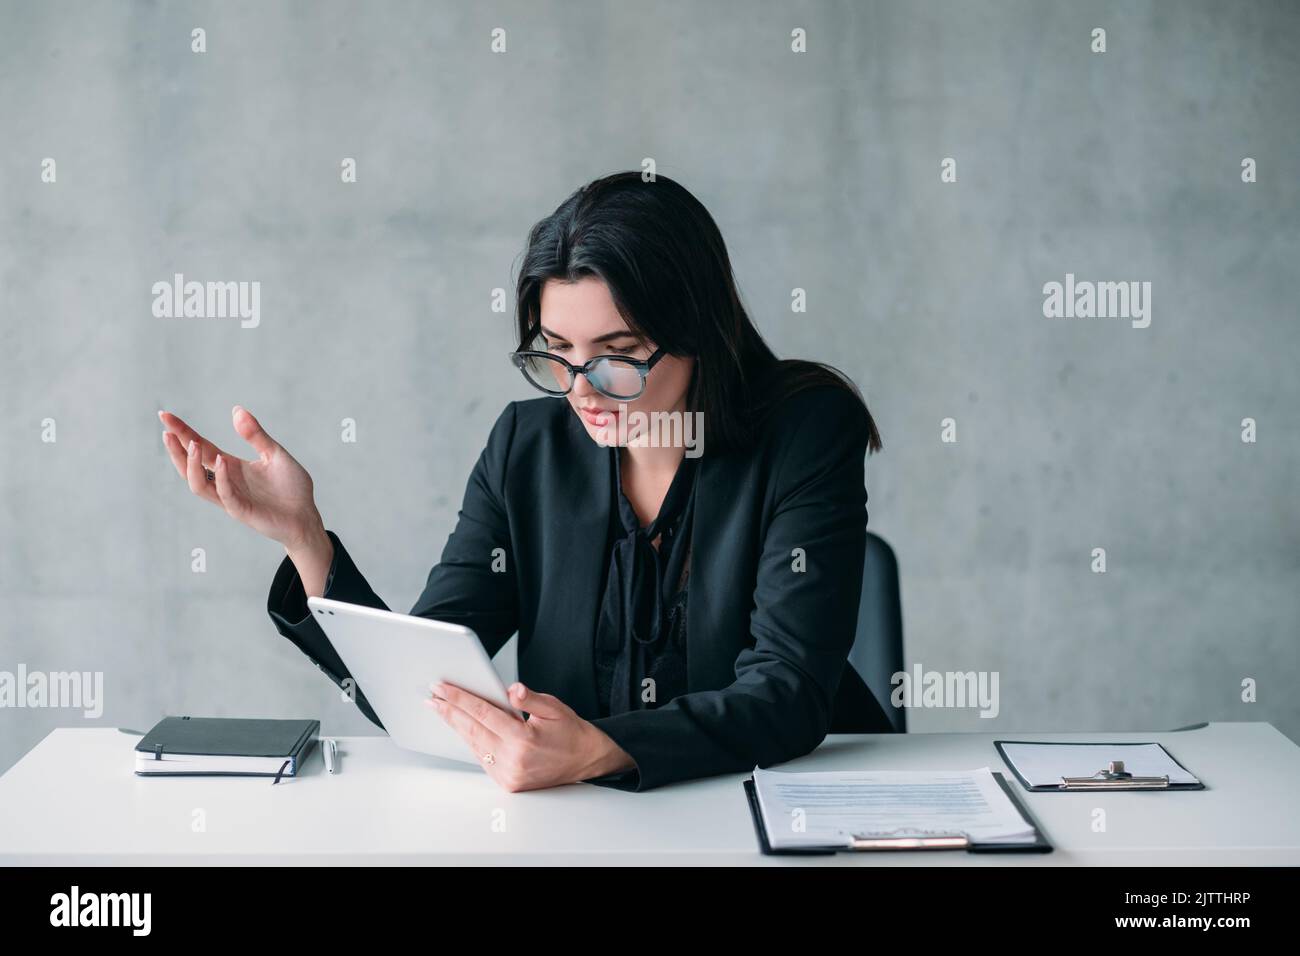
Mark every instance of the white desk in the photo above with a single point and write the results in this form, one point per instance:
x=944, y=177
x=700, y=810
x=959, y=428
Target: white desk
x=74, y=800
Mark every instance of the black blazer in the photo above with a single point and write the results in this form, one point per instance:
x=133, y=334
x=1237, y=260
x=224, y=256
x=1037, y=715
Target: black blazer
x=767, y=644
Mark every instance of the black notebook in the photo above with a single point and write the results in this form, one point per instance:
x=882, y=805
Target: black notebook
x=231, y=746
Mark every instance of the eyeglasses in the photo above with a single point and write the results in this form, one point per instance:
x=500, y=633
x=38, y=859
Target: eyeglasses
x=614, y=376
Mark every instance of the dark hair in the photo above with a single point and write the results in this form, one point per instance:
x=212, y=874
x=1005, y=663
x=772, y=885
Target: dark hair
x=660, y=253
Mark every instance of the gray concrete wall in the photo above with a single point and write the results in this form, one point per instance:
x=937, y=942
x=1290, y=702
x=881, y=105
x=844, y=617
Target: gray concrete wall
x=823, y=171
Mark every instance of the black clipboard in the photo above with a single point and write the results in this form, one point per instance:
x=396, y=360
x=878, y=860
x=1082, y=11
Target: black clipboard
x=1101, y=787
x=1040, y=844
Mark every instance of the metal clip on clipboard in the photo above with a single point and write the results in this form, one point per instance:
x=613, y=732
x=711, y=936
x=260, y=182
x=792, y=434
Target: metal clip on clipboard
x=898, y=841
x=1114, y=777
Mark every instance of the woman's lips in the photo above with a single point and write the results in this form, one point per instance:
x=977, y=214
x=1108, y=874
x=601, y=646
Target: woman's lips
x=599, y=417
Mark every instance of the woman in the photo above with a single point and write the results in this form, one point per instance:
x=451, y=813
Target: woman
x=679, y=614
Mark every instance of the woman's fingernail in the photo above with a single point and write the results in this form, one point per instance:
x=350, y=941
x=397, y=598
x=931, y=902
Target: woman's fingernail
x=190, y=450
x=218, y=462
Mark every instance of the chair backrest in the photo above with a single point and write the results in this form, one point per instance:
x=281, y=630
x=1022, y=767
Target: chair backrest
x=877, y=652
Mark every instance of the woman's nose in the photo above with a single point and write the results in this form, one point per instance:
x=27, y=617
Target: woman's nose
x=581, y=387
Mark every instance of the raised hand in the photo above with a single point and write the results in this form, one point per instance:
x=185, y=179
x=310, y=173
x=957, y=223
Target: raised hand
x=272, y=493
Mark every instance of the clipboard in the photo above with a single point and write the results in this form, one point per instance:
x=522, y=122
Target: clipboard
x=1105, y=779
x=1040, y=844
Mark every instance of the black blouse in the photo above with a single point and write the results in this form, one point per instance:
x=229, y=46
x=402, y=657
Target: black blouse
x=640, y=646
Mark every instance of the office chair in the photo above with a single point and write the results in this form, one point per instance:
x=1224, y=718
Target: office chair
x=877, y=652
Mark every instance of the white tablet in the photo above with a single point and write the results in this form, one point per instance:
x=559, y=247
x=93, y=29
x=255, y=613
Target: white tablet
x=393, y=658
